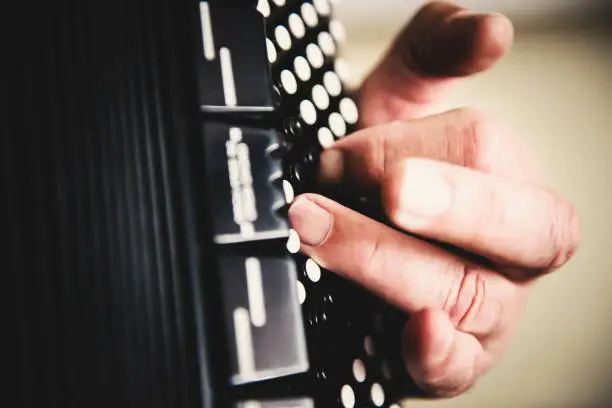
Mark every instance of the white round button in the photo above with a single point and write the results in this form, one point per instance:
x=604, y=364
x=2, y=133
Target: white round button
x=337, y=124
x=279, y=3
x=377, y=394
x=323, y=7
x=320, y=97
x=349, y=110
x=293, y=243
x=343, y=70
x=332, y=83
x=338, y=31
x=325, y=137
x=283, y=38
x=288, y=190
x=271, y=51
x=301, y=292
x=313, y=271
x=302, y=68
x=296, y=25
x=347, y=396
x=309, y=14
x=263, y=7
x=288, y=82
x=359, y=370
x=327, y=44
x=308, y=112
x=315, y=56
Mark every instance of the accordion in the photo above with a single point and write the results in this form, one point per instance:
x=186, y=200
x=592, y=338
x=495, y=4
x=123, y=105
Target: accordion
x=152, y=151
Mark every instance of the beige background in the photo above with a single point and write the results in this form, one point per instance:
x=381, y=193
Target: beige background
x=555, y=90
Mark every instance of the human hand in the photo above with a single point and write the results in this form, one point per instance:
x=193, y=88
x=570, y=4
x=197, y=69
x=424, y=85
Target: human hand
x=457, y=178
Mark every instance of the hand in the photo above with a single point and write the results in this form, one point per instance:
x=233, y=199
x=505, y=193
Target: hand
x=456, y=178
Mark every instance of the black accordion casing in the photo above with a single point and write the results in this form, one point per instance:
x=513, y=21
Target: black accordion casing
x=151, y=153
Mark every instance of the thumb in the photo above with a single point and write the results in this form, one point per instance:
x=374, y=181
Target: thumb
x=441, y=360
x=442, y=43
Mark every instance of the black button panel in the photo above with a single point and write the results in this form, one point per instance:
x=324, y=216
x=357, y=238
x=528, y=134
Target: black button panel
x=245, y=183
x=287, y=403
x=264, y=318
x=233, y=69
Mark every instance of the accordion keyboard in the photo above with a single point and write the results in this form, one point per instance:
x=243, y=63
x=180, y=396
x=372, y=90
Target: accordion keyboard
x=273, y=96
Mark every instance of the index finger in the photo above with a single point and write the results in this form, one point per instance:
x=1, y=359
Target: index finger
x=442, y=43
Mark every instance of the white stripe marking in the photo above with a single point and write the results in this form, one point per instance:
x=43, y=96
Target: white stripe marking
x=227, y=73
x=244, y=342
x=207, y=34
x=257, y=305
x=257, y=236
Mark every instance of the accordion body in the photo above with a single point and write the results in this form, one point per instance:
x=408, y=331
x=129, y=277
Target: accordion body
x=152, y=151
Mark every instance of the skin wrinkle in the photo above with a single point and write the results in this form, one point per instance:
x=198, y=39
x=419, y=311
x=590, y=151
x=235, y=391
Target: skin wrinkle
x=372, y=258
x=473, y=311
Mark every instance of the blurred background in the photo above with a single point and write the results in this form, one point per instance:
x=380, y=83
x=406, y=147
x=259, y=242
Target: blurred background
x=555, y=91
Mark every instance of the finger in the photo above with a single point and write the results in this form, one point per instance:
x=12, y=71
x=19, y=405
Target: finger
x=464, y=137
x=405, y=271
x=441, y=360
x=442, y=43
x=514, y=224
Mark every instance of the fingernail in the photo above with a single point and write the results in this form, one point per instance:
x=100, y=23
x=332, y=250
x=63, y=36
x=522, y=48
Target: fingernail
x=424, y=192
x=310, y=221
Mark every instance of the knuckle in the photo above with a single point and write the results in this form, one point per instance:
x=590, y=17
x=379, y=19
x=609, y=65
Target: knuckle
x=465, y=295
x=471, y=304
x=481, y=138
x=376, y=156
x=374, y=259
x=563, y=234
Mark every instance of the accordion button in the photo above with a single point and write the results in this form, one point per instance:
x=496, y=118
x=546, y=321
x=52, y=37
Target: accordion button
x=296, y=25
x=288, y=190
x=301, y=291
x=332, y=83
x=337, y=124
x=338, y=31
x=271, y=49
x=313, y=271
x=320, y=97
x=309, y=14
x=359, y=370
x=288, y=82
x=343, y=70
x=264, y=7
x=302, y=68
x=349, y=110
x=347, y=396
x=293, y=242
x=308, y=112
x=327, y=44
x=325, y=137
x=315, y=56
x=323, y=7
x=377, y=394
x=283, y=38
